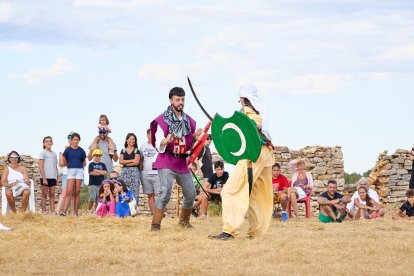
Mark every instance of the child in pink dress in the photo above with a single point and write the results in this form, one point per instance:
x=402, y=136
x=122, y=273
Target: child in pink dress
x=106, y=204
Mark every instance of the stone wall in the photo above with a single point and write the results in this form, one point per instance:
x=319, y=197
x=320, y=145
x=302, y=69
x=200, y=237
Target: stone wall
x=324, y=162
x=391, y=175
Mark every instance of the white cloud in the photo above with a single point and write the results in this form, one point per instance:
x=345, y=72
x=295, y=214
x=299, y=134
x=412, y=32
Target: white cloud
x=112, y=4
x=269, y=82
x=6, y=11
x=19, y=47
x=401, y=53
x=60, y=67
x=171, y=72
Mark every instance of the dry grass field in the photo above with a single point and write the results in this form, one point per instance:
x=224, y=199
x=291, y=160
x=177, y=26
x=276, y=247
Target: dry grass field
x=89, y=245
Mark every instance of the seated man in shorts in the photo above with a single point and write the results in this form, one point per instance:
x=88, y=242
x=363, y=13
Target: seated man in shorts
x=213, y=187
x=280, y=187
x=332, y=205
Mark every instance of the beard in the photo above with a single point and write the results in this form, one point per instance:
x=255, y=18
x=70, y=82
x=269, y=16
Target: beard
x=178, y=108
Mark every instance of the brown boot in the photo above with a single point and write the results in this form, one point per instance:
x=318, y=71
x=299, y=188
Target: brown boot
x=185, y=218
x=156, y=219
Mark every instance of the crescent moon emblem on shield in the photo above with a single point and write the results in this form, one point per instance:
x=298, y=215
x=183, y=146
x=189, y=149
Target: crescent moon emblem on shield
x=242, y=138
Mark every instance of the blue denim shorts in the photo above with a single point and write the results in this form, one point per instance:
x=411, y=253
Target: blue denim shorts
x=75, y=173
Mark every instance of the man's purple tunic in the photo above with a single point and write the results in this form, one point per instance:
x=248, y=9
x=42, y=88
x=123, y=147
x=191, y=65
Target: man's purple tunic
x=167, y=161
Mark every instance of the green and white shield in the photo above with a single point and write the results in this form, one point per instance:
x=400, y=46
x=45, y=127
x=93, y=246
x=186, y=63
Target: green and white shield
x=236, y=138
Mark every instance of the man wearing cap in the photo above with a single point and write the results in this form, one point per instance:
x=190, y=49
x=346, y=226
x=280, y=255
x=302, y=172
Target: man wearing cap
x=176, y=139
x=103, y=144
x=97, y=171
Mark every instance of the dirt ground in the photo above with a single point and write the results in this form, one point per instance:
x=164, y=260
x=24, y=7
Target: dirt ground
x=90, y=245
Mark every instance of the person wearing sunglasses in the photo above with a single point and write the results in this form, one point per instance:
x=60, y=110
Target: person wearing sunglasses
x=105, y=145
x=16, y=180
x=62, y=198
x=113, y=176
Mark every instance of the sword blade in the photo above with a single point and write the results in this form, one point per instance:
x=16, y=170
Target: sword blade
x=198, y=102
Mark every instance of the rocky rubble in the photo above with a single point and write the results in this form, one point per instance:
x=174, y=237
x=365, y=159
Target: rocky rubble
x=391, y=175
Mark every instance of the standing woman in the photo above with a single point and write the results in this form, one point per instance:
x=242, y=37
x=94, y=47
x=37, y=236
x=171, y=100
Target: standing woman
x=48, y=174
x=129, y=159
x=62, y=198
x=236, y=201
x=302, y=183
x=74, y=157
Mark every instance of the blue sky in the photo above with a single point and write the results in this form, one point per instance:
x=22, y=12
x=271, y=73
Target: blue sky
x=332, y=72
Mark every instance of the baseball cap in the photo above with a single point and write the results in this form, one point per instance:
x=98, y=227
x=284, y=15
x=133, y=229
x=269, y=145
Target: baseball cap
x=97, y=152
x=70, y=134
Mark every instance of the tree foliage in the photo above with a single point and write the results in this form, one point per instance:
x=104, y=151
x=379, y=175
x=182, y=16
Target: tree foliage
x=351, y=178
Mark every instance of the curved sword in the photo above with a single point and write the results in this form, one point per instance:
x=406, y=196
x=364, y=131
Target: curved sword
x=198, y=102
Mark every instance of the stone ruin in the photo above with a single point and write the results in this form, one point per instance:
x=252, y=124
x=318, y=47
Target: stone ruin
x=391, y=175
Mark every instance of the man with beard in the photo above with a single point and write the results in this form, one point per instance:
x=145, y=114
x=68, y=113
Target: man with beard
x=177, y=137
x=332, y=205
x=103, y=144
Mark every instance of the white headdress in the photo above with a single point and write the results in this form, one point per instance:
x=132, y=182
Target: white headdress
x=249, y=91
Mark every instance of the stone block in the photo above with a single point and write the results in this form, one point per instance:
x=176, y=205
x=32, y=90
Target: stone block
x=335, y=171
x=286, y=155
x=402, y=171
x=319, y=184
x=397, y=161
x=397, y=193
x=320, y=170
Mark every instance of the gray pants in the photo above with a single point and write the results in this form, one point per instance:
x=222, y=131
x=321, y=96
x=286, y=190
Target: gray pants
x=167, y=180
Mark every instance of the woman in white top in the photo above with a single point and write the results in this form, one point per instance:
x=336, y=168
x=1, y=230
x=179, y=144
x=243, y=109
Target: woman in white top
x=364, y=206
x=302, y=183
x=15, y=175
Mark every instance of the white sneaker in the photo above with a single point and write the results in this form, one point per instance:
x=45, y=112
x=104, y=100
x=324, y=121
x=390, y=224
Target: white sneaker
x=4, y=228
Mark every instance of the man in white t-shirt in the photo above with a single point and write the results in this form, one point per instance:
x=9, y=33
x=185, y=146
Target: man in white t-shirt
x=149, y=175
x=363, y=182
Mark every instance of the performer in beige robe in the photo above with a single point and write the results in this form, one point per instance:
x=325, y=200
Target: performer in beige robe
x=236, y=202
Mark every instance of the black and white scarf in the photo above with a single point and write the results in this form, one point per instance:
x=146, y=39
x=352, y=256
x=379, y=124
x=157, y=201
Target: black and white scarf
x=178, y=128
